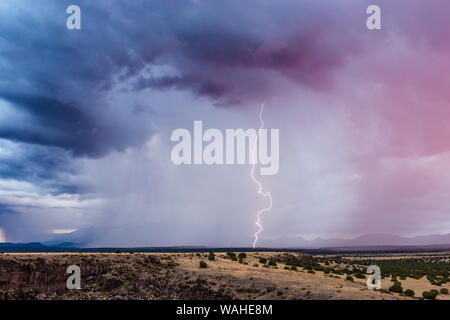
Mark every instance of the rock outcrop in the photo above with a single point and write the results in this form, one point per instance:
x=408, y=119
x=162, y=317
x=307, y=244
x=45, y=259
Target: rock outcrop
x=103, y=276
x=28, y=277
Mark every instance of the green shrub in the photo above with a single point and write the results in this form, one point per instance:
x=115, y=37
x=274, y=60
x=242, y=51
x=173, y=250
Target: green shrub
x=262, y=260
x=444, y=291
x=349, y=278
x=311, y=271
x=211, y=256
x=272, y=263
x=409, y=293
x=396, y=287
x=256, y=265
x=293, y=268
x=242, y=255
x=431, y=295
x=286, y=268
x=203, y=264
x=232, y=256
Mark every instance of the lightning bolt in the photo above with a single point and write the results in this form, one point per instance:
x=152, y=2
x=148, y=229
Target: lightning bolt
x=260, y=188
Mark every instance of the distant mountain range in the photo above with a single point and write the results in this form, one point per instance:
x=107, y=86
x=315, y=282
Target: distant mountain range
x=32, y=247
x=376, y=239
x=21, y=245
x=369, y=242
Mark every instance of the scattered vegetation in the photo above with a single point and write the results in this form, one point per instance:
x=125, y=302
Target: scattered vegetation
x=203, y=265
x=211, y=256
x=430, y=295
x=396, y=287
x=242, y=255
x=409, y=293
x=435, y=269
x=232, y=256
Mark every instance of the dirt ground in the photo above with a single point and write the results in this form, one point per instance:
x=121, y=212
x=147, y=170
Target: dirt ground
x=254, y=280
x=417, y=285
x=275, y=283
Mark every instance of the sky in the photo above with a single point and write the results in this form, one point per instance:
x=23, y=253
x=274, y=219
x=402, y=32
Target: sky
x=86, y=118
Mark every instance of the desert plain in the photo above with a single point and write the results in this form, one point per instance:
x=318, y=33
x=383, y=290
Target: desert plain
x=223, y=275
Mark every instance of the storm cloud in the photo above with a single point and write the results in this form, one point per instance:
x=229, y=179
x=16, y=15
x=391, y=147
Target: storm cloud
x=86, y=116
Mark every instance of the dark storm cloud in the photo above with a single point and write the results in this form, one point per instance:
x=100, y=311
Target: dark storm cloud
x=62, y=77
x=6, y=209
x=59, y=83
x=226, y=62
x=47, y=167
x=301, y=56
x=198, y=85
x=221, y=66
x=223, y=51
x=61, y=125
x=58, y=79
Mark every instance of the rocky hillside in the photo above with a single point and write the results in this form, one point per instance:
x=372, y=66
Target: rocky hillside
x=104, y=276
x=183, y=276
